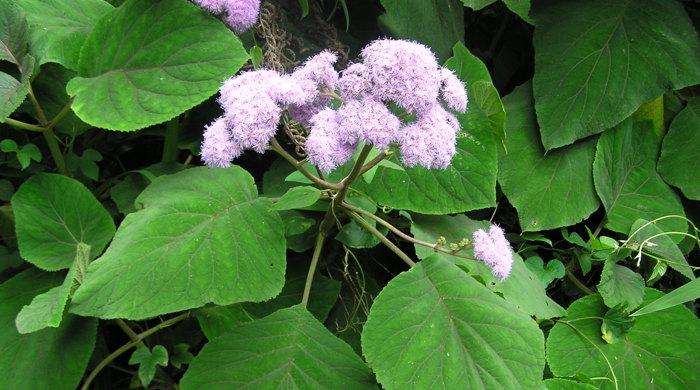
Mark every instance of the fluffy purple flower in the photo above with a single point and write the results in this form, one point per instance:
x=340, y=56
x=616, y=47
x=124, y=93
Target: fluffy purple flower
x=369, y=121
x=430, y=141
x=241, y=14
x=403, y=71
x=218, y=149
x=213, y=6
x=319, y=69
x=355, y=82
x=324, y=148
x=494, y=250
x=453, y=92
x=257, y=82
x=253, y=121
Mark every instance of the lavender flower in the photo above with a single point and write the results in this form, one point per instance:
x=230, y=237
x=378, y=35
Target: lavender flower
x=355, y=82
x=430, y=141
x=240, y=14
x=494, y=250
x=324, y=147
x=319, y=69
x=369, y=121
x=453, y=92
x=218, y=150
x=405, y=72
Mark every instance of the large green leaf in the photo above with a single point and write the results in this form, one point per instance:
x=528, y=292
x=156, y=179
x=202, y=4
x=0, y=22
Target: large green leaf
x=13, y=48
x=289, y=349
x=202, y=236
x=625, y=177
x=50, y=359
x=148, y=61
x=519, y=7
x=659, y=244
x=53, y=214
x=469, y=183
x=522, y=288
x=436, y=23
x=679, y=163
x=436, y=327
x=659, y=352
x=217, y=320
x=59, y=27
x=597, y=61
x=566, y=384
x=551, y=189
x=620, y=285
x=685, y=293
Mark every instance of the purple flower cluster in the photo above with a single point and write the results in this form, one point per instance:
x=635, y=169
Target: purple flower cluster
x=240, y=14
x=401, y=72
x=493, y=249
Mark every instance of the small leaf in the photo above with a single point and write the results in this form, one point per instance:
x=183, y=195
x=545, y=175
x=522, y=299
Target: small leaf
x=298, y=197
x=287, y=349
x=148, y=360
x=181, y=355
x=28, y=153
x=616, y=323
x=148, y=61
x=54, y=214
x=546, y=274
x=436, y=327
x=620, y=285
x=304, y=4
x=8, y=146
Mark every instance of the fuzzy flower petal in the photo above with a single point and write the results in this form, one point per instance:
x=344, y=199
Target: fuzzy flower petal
x=369, y=121
x=241, y=14
x=218, y=149
x=453, y=92
x=403, y=71
x=355, y=82
x=319, y=69
x=213, y=6
x=253, y=121
x=323, y=146
x=430, y=141
x=494, y=250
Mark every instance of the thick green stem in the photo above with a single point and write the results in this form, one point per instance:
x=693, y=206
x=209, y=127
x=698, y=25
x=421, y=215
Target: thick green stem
x=578, y=283
x=318, y=247
x=172, y=133
x=358, y=218
x=22, y=125
x=129, y=345
x=55, y=150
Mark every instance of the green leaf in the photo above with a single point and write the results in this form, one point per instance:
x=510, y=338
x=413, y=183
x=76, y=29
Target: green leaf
x=148, y=360
x=202, y=236
x=298, y=197
x=679, y=163
x=620, y=285
x=304, y=4
x=682, y=294
x=625, y=177
x=438, y=24
x=659, y=352
x=52, y=358
x=353, y=234
x=520, y=8
x=148, y=61
x=289, y=349
x=12, y=94
x=46, y=310
x=54, y=214
x=215, y=321
x=469, y=183
x=522, y=288
x=181, y=355
x=434, y=326
x=126, y=191
x=8, y=259
x=548, y=189
x=477, y=5
x=545, y=273
x=86, y=163
x=616, y=323
x=661, y=245
x=565, y=384
x=58, y=28
x=28, y=153
x=597, y=61
x=13, y=33
x=256, y=56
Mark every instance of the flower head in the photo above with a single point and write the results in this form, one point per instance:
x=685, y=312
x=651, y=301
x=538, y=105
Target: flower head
x=324, y=147
x=493, y=249
x=453, y=92
x=213, y=6
x=218, y=149
x=430, y=141
x=369, y=121
x=241, y=14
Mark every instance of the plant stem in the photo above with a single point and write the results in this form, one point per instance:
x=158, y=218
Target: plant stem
x=318, y=246
x=403, y=235
x=373, y=162
x=129, y=345
x=140, y=344
x=358, y=218
x=172, y=132
x=64, y=111
x=299, y=166
x=23, y=125
x=578, y=283
x=55, y=150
